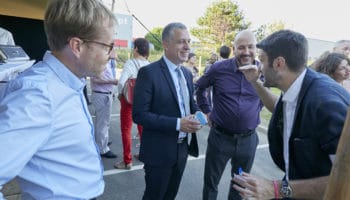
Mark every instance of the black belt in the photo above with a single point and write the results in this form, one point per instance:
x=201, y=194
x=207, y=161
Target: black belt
x=232, y=133
x=181, y=140
x=102, y=92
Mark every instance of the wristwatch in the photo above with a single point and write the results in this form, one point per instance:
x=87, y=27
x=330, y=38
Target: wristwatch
x=286, y=190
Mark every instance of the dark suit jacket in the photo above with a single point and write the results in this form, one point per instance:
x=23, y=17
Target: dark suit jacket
x=319, y=117
x=156, y=108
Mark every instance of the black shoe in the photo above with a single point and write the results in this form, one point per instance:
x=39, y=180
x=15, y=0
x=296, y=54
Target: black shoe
x=109, y=143
x=109, y=154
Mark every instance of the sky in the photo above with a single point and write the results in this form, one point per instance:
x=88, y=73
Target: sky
x=317, y=19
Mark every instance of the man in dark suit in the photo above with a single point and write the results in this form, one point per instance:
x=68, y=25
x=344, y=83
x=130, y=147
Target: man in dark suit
x=163, y=106
x=306, y=123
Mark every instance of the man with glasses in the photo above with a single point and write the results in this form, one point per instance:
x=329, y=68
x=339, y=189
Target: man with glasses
x=108, y=47
x=46, y=135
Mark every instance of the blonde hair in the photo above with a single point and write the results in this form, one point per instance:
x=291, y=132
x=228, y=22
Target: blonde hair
x=65, y=19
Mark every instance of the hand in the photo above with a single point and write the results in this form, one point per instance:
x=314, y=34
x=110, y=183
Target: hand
x=251, y=187
x=189, y=124
x=251, y=72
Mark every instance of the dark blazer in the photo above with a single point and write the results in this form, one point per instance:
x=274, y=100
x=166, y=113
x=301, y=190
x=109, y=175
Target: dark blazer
x=156, y=108
x=319, y=118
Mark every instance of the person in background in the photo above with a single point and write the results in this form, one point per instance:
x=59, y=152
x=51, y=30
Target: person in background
x=164, y=105
x=191, y=65
x=6, y=37
x=48, y=145
x=335, y=65
x=213, y=58
x=233, y=118
x=209, y=93
x=306, y=123
x=102, y=88
x=342, y=46
x=224, y=52
x=130, y=70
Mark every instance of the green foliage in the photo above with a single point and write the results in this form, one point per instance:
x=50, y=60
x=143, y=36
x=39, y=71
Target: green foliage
x=266, y=29
x=265, y=115
x=155, y=55
x=219, y=25
x=122, y=56
x=155, y=37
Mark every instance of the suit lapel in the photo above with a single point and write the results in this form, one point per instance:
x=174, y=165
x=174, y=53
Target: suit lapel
x=169, y=79
x=309, y=77
x=188, y=79
x=189, y=88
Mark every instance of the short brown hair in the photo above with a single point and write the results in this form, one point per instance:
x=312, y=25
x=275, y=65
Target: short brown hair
x=142, y=46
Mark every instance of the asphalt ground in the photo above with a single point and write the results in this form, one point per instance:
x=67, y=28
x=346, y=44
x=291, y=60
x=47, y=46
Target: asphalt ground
x=129, y=184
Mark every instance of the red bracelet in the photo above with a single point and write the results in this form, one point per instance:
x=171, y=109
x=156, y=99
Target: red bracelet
x=275, y=186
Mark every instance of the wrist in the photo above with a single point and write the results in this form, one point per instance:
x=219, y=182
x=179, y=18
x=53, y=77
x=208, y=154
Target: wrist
x=276, y=189
x=285, y=189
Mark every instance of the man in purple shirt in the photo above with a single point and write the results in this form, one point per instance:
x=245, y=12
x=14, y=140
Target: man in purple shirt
x=233, y=118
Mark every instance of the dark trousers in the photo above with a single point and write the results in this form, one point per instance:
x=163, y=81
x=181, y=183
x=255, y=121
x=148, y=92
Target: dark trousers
x=240, y=148
x=162, y=183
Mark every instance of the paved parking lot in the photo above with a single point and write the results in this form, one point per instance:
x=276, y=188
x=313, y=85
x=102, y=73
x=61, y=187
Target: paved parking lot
x=129, y=184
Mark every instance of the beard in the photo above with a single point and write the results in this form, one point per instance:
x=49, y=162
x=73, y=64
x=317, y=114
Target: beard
x=246, y=59
x=270, y=78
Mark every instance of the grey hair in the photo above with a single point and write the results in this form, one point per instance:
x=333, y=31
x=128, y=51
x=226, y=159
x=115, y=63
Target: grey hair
x=169, y=30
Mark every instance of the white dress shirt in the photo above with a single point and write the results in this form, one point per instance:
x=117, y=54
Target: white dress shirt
x=290, y=99
x=172, y=69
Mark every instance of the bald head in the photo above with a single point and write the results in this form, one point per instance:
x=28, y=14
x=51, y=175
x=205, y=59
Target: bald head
x=245, y=35
x=244, y=48
x=342, y=46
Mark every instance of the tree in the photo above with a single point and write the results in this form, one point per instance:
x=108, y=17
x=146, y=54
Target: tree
x=266, y=29
x=220, y=23
x=154, y=37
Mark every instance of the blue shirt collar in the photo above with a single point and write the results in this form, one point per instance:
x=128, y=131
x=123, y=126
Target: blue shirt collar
x=63, y=73
x=171, y=65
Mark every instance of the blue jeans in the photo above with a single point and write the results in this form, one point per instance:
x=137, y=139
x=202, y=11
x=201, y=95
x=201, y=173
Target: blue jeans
x=240, y=148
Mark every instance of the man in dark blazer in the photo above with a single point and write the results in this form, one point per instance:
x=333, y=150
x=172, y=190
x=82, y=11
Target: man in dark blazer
x=164, y=110
x=306, y=123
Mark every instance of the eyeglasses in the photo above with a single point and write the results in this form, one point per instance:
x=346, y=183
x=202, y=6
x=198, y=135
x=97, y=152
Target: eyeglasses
x=109, y=46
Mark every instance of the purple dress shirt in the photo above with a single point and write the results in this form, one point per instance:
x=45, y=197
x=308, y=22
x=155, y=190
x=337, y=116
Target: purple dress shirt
x=236, y=105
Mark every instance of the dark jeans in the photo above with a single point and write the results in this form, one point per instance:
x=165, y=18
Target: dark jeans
x=240, y=148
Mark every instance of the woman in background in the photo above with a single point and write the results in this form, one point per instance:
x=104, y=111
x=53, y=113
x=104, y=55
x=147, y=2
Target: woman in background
x=335, y=65
x=130, y=70
x=191, y=65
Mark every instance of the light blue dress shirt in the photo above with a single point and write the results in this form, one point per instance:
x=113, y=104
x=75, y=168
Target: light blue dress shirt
x=46, y=135
x=172, y=69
